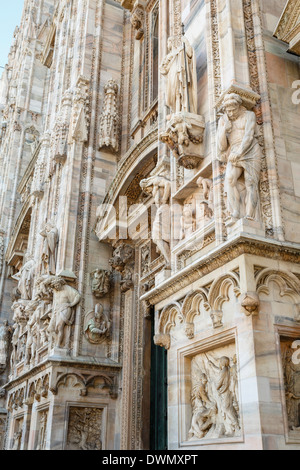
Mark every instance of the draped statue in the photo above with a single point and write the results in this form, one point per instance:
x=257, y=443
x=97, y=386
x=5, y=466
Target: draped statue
x=179, y=66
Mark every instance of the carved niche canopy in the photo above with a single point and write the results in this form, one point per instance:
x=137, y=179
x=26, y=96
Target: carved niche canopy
x=288, y=28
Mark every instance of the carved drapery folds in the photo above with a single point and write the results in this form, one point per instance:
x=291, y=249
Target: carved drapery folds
x=109, y=121
x=51, y=237
x=185, y=129
x=123, y=262
x=214, y=396
x=159, y=186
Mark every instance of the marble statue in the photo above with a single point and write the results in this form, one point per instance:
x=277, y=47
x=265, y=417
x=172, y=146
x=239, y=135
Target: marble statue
x=160, y=188
x=26, y=277
x=239, y=147
x=100, y=280
x=50, y=235
x=179, y=67
x=64, y=299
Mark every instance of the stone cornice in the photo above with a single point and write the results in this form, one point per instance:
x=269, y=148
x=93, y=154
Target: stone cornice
x=228, y=251
x=53, y=362
x=288, y=28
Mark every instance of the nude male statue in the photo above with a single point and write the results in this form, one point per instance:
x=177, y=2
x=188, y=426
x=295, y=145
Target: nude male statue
x=64, y=299
x=239, y=147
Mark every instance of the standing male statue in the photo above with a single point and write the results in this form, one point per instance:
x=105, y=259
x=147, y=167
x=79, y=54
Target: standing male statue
x=64, y=299
x=239, y=147
x=50, y=235
x=179, y=66
x=160, y=188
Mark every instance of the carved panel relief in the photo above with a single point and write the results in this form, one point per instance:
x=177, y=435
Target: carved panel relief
x=85, y=429
x=291, y=370
x=215, y=395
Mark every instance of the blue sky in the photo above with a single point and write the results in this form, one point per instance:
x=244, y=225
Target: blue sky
x=10, y=17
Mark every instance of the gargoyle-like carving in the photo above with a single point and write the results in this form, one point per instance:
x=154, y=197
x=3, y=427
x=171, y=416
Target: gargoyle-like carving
x=100, y=281
x=98, y=327
x=250, y=303
x=239, y=147
x=123, y=262
x=109, y=121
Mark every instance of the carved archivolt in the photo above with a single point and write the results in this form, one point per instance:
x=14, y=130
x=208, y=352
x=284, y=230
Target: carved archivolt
x=84, y=382
x=287, y=282
x=212, y=299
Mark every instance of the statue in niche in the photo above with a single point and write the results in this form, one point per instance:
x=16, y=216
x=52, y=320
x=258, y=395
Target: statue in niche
x=98, y=328
x=5, y=334
x=188, y=221
x=214, y=397
x=64, y=299
x=160, y=188
x=25, y=278
x=239, y=147
x=17, y=440
x=100, y=280
x=50, y=235
x=207, y=204
x=179, y=66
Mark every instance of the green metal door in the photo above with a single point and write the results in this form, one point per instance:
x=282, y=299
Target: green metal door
x=159, y=397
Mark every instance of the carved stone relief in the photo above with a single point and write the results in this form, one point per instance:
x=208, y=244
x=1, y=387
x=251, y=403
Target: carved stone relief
x=5, y=336
x=291, y=369
x=214, y=395
x=123, y=262
x=98, y=327
x=185, y=130
x=42, y=433
x=159, y=186
x=100, y=282
x=137, y=20
x=85, y=429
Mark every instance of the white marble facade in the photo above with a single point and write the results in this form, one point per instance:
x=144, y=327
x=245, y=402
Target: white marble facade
x=149, y=182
